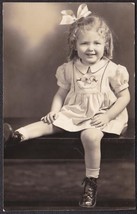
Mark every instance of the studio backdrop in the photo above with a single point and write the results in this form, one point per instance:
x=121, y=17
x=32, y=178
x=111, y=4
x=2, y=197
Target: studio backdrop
x=34, y=45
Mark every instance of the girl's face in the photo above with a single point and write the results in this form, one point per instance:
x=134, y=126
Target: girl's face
x=90, y=46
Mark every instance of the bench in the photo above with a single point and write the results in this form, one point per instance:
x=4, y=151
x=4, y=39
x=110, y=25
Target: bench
x=69, y=146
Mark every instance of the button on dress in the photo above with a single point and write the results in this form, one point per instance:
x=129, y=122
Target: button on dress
x=92, y=90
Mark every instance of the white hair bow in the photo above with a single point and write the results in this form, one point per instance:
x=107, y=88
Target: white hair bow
x=68, y=16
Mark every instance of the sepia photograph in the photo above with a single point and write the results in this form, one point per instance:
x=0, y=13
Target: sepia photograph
x=68, y=106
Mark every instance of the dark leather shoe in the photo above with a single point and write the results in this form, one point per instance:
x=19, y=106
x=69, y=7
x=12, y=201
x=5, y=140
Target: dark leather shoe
x=88, y=199
x=8, y=132
x=10, y=136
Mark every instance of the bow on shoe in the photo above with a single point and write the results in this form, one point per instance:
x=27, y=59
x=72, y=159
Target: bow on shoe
x=68, y=16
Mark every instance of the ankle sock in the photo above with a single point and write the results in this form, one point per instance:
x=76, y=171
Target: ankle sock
x=92, y=173
x=24, y=133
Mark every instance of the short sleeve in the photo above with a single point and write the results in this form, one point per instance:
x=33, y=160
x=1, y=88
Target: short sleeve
x=119, y=80
x=63, y=79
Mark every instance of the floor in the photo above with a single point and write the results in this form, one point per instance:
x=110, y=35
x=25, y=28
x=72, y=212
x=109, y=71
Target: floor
x=56, y=185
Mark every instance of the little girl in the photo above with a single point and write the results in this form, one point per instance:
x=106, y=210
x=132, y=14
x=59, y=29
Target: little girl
x=91, y=98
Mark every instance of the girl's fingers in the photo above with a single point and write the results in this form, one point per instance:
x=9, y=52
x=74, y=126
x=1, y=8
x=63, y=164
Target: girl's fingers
x=43, y=119
x=49, y=118
x=52, y=118
x=96, y=122
x=100, y=125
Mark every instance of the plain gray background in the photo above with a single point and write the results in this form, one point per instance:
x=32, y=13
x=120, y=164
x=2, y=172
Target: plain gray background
x=29, y=69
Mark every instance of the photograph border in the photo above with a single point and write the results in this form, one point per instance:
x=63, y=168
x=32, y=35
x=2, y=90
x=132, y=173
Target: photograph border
x=1, y=126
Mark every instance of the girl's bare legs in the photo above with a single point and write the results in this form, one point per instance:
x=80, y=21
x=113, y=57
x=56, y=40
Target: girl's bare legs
x=91, y=140
x=37, y=129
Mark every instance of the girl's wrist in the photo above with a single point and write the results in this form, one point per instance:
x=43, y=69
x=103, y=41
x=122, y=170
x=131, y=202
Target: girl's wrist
x=108, y=116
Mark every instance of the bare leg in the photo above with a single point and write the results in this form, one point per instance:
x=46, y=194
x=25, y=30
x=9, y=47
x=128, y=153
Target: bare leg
x=91, y=139
x=38, y=129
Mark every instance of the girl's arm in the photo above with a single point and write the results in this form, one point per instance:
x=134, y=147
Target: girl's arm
x=123, y=99
x=58, y=99
x=120, y=104
x=57, y=103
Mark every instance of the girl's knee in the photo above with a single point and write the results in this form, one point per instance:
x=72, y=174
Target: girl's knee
x=91, y=134
x=91, y=137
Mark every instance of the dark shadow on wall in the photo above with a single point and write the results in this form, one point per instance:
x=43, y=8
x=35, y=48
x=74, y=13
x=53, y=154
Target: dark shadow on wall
x=29, y=76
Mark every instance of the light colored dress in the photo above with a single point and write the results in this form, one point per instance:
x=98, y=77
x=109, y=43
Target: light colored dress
x=91, y=91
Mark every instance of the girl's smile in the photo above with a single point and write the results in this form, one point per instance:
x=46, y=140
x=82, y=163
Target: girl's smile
x=90, y=46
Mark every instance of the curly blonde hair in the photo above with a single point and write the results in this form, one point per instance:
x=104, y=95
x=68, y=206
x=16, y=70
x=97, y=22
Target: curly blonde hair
x=88, y=23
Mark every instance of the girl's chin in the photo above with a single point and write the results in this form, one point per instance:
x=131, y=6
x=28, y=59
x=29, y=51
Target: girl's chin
x=90, y=62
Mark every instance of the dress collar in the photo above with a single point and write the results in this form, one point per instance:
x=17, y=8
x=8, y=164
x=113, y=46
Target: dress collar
x=94, y=68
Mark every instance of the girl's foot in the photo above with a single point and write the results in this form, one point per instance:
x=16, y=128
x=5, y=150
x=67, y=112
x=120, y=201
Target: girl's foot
x=10, y=136
x=88, y=199
x=8, y=132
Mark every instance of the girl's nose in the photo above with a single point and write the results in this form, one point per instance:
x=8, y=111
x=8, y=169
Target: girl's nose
x=91, y=47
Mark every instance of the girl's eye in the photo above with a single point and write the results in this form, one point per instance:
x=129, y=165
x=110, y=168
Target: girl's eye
x=84, y=43
x=87, y=43
x=97, y=43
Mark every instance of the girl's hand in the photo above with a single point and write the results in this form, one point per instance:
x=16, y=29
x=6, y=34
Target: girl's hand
x=50, y=117
x=100, y=120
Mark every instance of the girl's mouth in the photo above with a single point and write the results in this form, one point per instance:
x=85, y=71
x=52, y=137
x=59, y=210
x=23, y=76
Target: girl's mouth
x=90, y=55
